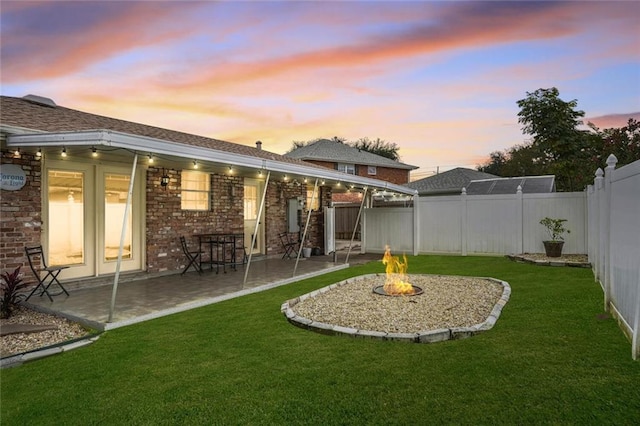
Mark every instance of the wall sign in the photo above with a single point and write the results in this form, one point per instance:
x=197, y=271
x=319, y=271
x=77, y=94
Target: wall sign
x=13, y=177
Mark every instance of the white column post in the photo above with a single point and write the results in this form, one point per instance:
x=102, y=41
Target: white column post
x=520, y=221
x=416, y=224
x=355, y=228
x=306, y=227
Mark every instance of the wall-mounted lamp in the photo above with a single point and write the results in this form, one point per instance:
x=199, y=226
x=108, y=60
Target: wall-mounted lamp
x=164, y=180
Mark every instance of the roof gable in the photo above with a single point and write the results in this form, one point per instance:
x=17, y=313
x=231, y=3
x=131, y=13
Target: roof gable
x=449, y=182
x=338, y=152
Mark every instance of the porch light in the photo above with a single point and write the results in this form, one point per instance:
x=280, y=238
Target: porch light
x=64, y=152
x=164, y=180
x=16, y=153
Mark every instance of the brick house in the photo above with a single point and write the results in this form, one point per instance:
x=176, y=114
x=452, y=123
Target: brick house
x=70, y=175
x=339, y=156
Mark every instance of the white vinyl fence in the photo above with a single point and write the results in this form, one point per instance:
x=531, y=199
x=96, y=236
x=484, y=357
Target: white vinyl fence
x=614, y=243
x=477, y=224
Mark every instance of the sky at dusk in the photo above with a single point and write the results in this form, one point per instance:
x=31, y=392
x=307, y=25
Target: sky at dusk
x=439, y=79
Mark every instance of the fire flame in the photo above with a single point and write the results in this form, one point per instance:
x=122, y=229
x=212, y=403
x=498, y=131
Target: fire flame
x=396, y=282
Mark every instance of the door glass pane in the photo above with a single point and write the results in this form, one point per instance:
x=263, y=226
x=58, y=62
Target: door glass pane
x=66, y=217
x=116, y=188
x=250, y=202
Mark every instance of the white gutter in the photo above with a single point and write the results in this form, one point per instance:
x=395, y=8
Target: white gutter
x=158, y=146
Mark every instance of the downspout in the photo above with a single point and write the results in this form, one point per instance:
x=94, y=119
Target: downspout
x=364, y=197
x=255, y=231
x=306, y=227
x=122, y=237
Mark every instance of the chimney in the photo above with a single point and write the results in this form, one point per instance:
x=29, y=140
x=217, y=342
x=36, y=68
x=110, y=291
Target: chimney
x=259, y=145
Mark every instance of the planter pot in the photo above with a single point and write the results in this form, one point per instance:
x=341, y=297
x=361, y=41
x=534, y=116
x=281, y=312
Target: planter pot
x=553, y=248
x=306, y=251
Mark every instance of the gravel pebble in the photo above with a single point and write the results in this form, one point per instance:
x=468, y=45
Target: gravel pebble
x=446, y=302
x=23, y=342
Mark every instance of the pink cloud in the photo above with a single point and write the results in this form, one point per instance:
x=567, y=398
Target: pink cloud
x=613, y=120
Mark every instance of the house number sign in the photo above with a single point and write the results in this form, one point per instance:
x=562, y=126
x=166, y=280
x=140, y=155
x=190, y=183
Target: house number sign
x=13, y=177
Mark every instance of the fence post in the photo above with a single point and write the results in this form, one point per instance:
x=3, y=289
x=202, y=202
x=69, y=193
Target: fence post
x=520, y=218
x=608, y=177
x=416, y=224
x=599, y=254
x=463, y=223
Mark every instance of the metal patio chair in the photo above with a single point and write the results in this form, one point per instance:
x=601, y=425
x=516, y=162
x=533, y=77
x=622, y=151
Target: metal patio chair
x=46, y=275
x=192, y=256
x=288, y=245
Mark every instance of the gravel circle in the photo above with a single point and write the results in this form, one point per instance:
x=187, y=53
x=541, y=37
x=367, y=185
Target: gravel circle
x=447, y=302
x=18, y=343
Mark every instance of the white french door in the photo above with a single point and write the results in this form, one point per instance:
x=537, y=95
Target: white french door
x=253, y=189
x=82, y=218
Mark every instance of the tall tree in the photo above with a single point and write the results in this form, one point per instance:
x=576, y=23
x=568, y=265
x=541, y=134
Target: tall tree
x=553, y=125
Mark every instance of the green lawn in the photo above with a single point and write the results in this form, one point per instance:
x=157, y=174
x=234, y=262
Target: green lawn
x=550, y=359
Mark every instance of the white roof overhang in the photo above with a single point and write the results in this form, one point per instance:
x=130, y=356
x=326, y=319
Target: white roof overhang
x=146, y=145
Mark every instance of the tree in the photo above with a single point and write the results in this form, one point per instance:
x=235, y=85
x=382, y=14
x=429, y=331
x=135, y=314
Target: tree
x=378, y=147
x=623, y=142
x=559, y=146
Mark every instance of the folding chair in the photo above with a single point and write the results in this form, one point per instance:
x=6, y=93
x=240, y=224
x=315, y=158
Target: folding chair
x=192, y=256
x=49, y=278
x=288, y=245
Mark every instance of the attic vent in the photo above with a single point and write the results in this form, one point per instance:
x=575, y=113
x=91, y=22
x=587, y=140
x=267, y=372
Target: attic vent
x=40, y=100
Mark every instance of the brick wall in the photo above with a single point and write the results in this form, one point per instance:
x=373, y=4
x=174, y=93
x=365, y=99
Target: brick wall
x=20, y=216
x=387, y=174
x=166, y=222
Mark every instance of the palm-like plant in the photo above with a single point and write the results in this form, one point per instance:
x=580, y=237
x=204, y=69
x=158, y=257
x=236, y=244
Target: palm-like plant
x=13, y=291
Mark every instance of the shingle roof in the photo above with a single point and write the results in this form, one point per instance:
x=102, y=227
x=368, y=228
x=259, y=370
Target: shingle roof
x=21, y=112
x=529, y=185
x=338, y=152
x=449, y=182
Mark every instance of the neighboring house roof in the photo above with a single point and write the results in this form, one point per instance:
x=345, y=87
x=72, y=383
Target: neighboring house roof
x=338, y=152
x=35, y=122
x=528, y=184
x=449, y=182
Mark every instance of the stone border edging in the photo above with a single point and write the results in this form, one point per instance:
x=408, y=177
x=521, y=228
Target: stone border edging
x=525, y=259
x=19, y=359
x=427, y=336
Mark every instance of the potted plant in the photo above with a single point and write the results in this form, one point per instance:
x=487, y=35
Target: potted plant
x=555, y=229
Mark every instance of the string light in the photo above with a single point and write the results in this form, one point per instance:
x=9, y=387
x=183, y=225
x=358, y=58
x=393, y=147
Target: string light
x=230, y=170
x=94, y=151
x=64, y=152
x=39, y=153
x=150, y=159
x=195, y=164
x=16, y=153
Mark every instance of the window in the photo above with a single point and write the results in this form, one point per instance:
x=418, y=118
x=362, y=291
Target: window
x=316, y=200
x=371, y=170
x=347, y=168
x=196, y=187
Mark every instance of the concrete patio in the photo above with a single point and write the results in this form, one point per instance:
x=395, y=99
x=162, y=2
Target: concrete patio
x=140, y=298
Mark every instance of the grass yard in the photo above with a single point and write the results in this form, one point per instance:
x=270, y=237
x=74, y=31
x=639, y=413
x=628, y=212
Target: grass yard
x=550, y=359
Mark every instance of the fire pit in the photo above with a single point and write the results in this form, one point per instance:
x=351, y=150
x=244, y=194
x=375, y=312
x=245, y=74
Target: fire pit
x=415, y=290
x=397, y=283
